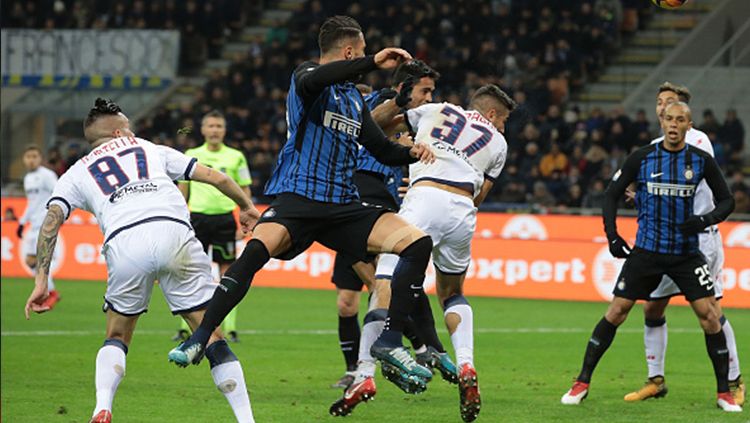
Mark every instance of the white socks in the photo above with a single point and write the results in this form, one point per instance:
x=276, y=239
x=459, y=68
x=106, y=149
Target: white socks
x=370, y=333
x=463, y=337
x=110, y=369
x=734, y=360
x=50, y=283
x=230, y=380
x=655, y=340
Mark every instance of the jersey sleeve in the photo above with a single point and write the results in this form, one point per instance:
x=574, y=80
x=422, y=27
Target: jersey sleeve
x=620, y=181
x=67, y=193
x=243, y=172
x=177, y=165
x=412, y=117
x=497, y=166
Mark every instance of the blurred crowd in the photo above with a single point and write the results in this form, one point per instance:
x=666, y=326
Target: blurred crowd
x=539, y=51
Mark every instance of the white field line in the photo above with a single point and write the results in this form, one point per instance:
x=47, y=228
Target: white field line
x=326, y=332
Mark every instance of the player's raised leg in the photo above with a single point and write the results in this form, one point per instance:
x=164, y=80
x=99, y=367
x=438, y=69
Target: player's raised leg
x=391, y=234
x=110, y=363
x=269, y=239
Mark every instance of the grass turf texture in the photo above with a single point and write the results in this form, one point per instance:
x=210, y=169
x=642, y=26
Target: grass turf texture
x=527, y=354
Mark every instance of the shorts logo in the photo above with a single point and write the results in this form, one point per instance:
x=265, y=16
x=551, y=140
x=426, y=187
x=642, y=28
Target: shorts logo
x=269, y=213
x=621, y=285
x=605, y=272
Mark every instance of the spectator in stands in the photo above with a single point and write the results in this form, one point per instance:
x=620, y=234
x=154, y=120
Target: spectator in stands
x=541, y=196
x=709, y=124
x=594, y=198
x=554, y=161
x=732, y=135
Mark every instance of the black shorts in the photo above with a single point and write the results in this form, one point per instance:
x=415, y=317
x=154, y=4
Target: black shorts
x=372, y=190
x=218, y=231
x=643, y=271
x=340, y=227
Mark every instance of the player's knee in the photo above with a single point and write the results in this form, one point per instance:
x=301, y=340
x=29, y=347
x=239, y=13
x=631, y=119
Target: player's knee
x=219, y=353
x=347, y=307
x=117, y=343
x=418, y=250
x=654, y=310
x=378, y=314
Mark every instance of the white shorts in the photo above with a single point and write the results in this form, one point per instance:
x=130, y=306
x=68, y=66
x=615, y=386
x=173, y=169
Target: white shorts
x=30, y=238
x=450, y=219
x=711, y=245
x=160, y=250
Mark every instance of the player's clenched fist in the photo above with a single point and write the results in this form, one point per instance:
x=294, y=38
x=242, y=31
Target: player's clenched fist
x=422, y=152
x=389, y=58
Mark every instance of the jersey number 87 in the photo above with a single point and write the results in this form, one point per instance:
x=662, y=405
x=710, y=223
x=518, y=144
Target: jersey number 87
x=109, y=175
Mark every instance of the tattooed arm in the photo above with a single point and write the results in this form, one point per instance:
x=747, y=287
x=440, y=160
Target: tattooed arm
x=45, y=248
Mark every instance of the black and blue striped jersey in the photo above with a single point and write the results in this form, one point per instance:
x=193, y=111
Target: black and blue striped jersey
x=666, y=182
x=391, y=175
x=327, y=120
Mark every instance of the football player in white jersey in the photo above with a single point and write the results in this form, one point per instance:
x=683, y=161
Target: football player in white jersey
x=442, y=201
x=38, y=184
x=127, y=183
x=655, y=329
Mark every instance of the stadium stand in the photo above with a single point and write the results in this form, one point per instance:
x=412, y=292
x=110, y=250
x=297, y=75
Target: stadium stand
x=544, y=52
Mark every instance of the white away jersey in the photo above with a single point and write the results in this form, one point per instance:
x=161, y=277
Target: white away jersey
x=467, y=147
x=125, y=181
x=38, y=185
x=704, y=200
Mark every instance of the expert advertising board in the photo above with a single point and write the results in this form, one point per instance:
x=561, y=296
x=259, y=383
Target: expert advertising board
x=558, y=257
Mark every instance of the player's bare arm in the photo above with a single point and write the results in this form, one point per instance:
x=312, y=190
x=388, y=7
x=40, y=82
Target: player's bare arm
x=45, y=249
x=184, y=189
x=483, y=192
x=248, y=213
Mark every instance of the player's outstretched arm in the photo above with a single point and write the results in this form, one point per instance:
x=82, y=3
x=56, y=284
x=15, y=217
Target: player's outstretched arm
x=385, y=114
x=248, y=213
x=311, y=80
x=45, y=248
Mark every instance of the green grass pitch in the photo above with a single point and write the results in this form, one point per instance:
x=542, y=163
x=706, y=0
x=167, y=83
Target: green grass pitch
x=527, y=354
